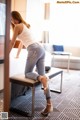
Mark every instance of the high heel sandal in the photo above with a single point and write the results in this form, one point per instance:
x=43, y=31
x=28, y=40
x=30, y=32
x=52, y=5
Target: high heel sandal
x=47, y=111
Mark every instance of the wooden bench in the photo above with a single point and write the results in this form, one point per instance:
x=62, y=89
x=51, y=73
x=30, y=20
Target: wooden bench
x=20, y=79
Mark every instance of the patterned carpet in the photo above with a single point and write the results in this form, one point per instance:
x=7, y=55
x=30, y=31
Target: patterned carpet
x=66, y=105
x=1, y=101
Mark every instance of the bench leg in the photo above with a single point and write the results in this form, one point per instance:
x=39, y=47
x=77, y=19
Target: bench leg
x=68, y=63
x=33, y=100
x=61, y=82
x=60, y=89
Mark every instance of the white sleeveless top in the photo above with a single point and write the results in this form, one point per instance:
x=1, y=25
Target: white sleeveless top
x=26, y=37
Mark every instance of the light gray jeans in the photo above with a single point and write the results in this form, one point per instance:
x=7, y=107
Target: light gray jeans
x=36, y=57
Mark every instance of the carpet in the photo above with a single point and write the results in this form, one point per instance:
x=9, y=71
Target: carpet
x=66, y=105
x=1, y=102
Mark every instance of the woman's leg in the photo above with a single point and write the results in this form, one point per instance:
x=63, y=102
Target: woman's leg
x=41, y=70
x=30, y=64
x=36, y=57
x=35, y=52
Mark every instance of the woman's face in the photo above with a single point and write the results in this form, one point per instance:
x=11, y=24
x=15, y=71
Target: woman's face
x=14, y=21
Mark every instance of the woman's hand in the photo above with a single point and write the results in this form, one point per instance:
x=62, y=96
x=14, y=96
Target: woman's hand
x=19, y=49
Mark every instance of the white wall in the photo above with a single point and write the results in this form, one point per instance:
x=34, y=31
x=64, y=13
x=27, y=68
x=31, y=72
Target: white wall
x=64, y=23
x=19, y=5
x=34, y=16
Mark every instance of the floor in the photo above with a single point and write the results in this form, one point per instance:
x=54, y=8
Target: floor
x=66, y=105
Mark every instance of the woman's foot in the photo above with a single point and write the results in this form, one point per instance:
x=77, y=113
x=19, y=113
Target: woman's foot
x=47, y=110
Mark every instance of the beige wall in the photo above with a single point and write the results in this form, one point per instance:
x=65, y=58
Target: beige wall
x=19, y=5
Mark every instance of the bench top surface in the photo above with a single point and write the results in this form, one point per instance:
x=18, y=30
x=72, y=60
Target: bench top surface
x=21, y=77
x=53, y=71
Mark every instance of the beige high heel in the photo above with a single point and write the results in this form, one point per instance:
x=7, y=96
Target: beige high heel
x=47, y=110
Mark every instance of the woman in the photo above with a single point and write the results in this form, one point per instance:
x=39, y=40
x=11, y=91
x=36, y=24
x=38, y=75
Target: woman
x=36, y=55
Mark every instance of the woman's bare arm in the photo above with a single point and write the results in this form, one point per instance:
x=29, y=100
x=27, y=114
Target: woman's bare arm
x=15, y=34
x=19, y=49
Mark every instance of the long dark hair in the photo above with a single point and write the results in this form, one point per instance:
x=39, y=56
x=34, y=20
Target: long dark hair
x=16, y=15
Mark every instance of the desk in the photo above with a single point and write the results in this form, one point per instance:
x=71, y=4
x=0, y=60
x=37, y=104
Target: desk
x=63, y=54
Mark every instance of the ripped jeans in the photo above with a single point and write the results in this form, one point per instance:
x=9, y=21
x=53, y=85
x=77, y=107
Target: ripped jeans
x=36, y=57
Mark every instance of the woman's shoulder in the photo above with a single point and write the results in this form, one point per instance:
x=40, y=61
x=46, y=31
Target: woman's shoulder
x=19, y=25
x=19, y=28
